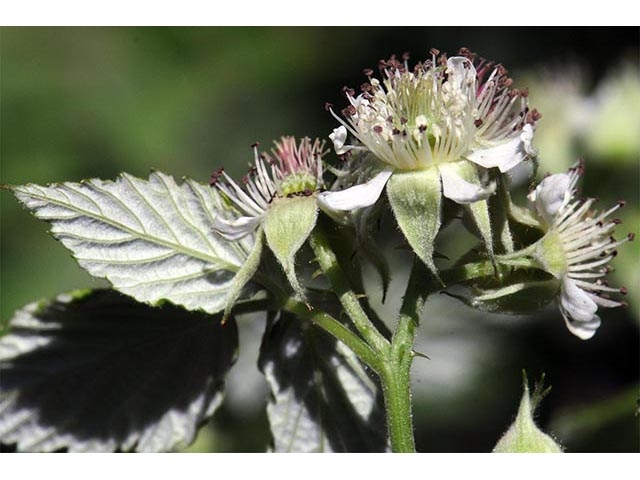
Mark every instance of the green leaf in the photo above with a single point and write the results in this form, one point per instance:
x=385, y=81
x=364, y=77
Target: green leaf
x=322, y=398
x=96, y=371
x=152, y=239
x=415, y=199
x=288, y=223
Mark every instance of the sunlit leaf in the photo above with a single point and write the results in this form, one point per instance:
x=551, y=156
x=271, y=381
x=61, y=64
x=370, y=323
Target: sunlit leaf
x=322, y=398
x=97, y=371
x=152, y=239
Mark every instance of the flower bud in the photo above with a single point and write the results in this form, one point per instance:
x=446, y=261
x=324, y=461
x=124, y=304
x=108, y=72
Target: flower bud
x=523, y=435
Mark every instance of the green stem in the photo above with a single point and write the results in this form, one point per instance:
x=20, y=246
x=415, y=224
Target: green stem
x=321, y=319
x=337, y=330
x=349, y=300
x=396, y=376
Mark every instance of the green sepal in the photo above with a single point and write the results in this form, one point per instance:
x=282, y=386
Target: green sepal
x=499, y=207
x=415, y=198
x=523, y=435
x=480, y=213
x=516, y=298
x=288, y=223
x=367, y=246
x=245, y=274
x=520, y=214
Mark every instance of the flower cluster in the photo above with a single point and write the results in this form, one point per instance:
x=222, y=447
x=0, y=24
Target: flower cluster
x=446, y=128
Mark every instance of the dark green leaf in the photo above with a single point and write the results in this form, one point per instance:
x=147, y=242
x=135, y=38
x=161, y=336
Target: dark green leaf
x=323, y=400
x=97, y=371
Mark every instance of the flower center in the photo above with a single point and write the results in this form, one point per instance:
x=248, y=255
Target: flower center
x=298, y=183
x=551, y=254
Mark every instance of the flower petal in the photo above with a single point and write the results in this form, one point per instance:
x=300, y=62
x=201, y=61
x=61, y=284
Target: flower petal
x=550, y=194
x=578, y=309
x=233, y=230
x=339, y=137
x=358, y=196
x=583, y=330
x=507, y=155
x=461, y=75
x=461, y=184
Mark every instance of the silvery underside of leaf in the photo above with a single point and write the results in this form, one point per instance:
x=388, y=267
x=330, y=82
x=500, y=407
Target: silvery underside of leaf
x=152, y=239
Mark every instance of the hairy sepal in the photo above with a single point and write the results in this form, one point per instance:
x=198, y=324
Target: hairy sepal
x=244, y=275
x=288, y=223
x=415, y=198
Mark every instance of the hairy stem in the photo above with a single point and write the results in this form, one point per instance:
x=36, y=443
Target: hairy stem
x=349, y=300
x=396, y=376
x=337, y=330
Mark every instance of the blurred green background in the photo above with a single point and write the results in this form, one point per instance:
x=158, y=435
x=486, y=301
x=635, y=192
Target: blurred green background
x=92, y=102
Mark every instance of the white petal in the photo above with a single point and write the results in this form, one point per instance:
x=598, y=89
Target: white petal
x=235, y=229
x=460, y=190
x=461, y=74
x=583, y=330
x=576, y=302
x=358, y=196
x=507, y=155
x=338, y=137
x=550, y=194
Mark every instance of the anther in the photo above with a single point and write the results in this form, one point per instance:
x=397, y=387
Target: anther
x=215, y=176
x=348, y=92
x=328, y=106
x=478, y=122
x=377, y=129
x=622, y=203
x=464, y=52
x=367, y=72
x=349, y=111
x=255, y=144
x=623, y=290
x=631, y=236
x=434, y=51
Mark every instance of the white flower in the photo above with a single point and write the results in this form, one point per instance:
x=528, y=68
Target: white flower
x=436, y=115
x=576, y=249
x=278, y=201
x=292, y=170
x=436, y=129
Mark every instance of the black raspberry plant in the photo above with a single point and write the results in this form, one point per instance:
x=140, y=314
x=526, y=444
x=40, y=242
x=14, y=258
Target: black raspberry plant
x=190, y=261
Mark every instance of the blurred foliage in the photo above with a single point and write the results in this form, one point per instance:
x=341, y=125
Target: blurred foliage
x=92, y=102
